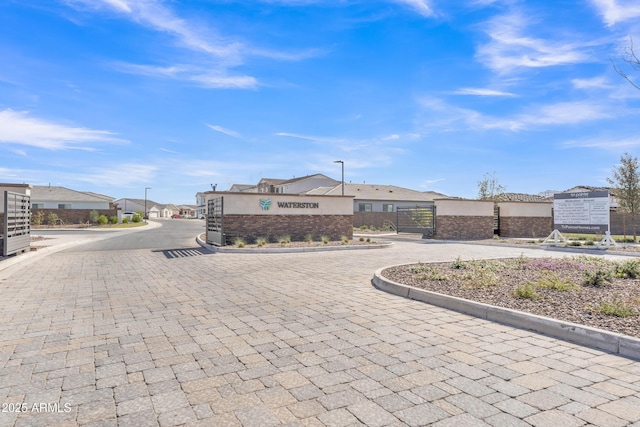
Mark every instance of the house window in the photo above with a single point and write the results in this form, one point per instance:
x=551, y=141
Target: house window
x=364, y=207
x=64, y=205
x=37, y=206
x=387, y=207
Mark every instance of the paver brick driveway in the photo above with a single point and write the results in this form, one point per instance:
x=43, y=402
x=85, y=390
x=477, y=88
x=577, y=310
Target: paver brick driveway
x=137, y=338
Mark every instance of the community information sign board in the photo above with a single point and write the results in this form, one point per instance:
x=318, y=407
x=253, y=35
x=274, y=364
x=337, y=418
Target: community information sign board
x=581, y=212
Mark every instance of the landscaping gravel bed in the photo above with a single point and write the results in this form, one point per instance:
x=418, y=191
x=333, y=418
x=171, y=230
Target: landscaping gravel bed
x=555, y=288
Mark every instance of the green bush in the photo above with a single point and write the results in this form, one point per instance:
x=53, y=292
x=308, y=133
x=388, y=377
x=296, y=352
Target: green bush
x=103, y=220
x=113, y=219
x=617, y=308
x=628, y=270
x=345, y=240
x=261, y=241
x=93, y=216
x=38, y=218
x=527, y=291
x=599, y=277
x=52, y=219
x=550, y=280
x=325, y=239
x=308, y=238
x=136, y=218
x=125, y=220
x=239, y=242
x=283, y=240
x=458, y=264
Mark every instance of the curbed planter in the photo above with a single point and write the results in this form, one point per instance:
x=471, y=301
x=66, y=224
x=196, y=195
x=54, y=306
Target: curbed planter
x=231, y=250
x=622, y=345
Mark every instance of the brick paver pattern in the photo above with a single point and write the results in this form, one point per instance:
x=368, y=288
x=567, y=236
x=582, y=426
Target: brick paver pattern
x=132, y=338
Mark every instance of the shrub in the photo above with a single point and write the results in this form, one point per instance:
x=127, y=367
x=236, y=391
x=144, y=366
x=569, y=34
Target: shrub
x=599, y=277
x=361, y=239
x=628, y=270
x=125, y=220
x=527, y=291
x=481, y=278
x=325, y=239
x=239, y=242
x=552, y=281
x=102, y=220
x=617, y=308
x=345, y=240
x=94, y=215
x=113, y=219
x=52, y=219
x=458, y=264
x=363, y=227
x=136, y=218
x=284, y=240
x=38, y=218
x=308, y=238
x=368, y=239
x=261, y=241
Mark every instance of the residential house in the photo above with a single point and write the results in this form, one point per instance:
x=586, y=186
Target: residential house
x=153, y=209
x=70, y=206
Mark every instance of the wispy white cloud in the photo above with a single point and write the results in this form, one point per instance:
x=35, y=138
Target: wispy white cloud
x=449, y=117
x=117, y=175
x=217, y=79
x=616, y=11
x=215, y=55
x=593, y=83
x=605, y=142
x=154, y=14
x=18, y=127
x=422, y=7
x=223, y=130
x=509, y=48
x=482, y=92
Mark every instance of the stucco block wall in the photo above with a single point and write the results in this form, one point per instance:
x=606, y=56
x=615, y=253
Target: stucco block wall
x=464, y=227
x=73, y=216
x=251, y=227
x=531, y=227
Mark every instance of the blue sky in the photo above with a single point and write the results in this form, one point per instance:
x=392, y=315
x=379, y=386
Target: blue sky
x=113, y=96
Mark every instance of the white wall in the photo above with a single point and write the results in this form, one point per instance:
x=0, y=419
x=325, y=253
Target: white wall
x=249, y=204
x=460, y=207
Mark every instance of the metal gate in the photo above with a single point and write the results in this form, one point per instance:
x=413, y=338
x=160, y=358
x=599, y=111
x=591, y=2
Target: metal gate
x=496, y=220
x=215, y=221
x=16, y=227
x=417, y=220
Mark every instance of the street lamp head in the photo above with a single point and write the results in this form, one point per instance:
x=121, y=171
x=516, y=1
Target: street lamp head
x=338, y=161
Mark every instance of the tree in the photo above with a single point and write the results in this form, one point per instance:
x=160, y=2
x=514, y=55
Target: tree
x=626, y=183
x=489, y=187
x=631, y=58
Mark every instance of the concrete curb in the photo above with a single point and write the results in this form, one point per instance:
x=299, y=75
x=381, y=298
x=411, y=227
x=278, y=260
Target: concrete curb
x=29, y=257
x=216, y=249
x=619, y=344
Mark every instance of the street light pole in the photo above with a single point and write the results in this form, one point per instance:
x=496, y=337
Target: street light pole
x=342, y=163
x=146, y=214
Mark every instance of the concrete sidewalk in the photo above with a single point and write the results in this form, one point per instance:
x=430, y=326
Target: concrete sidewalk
x=132, y=338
